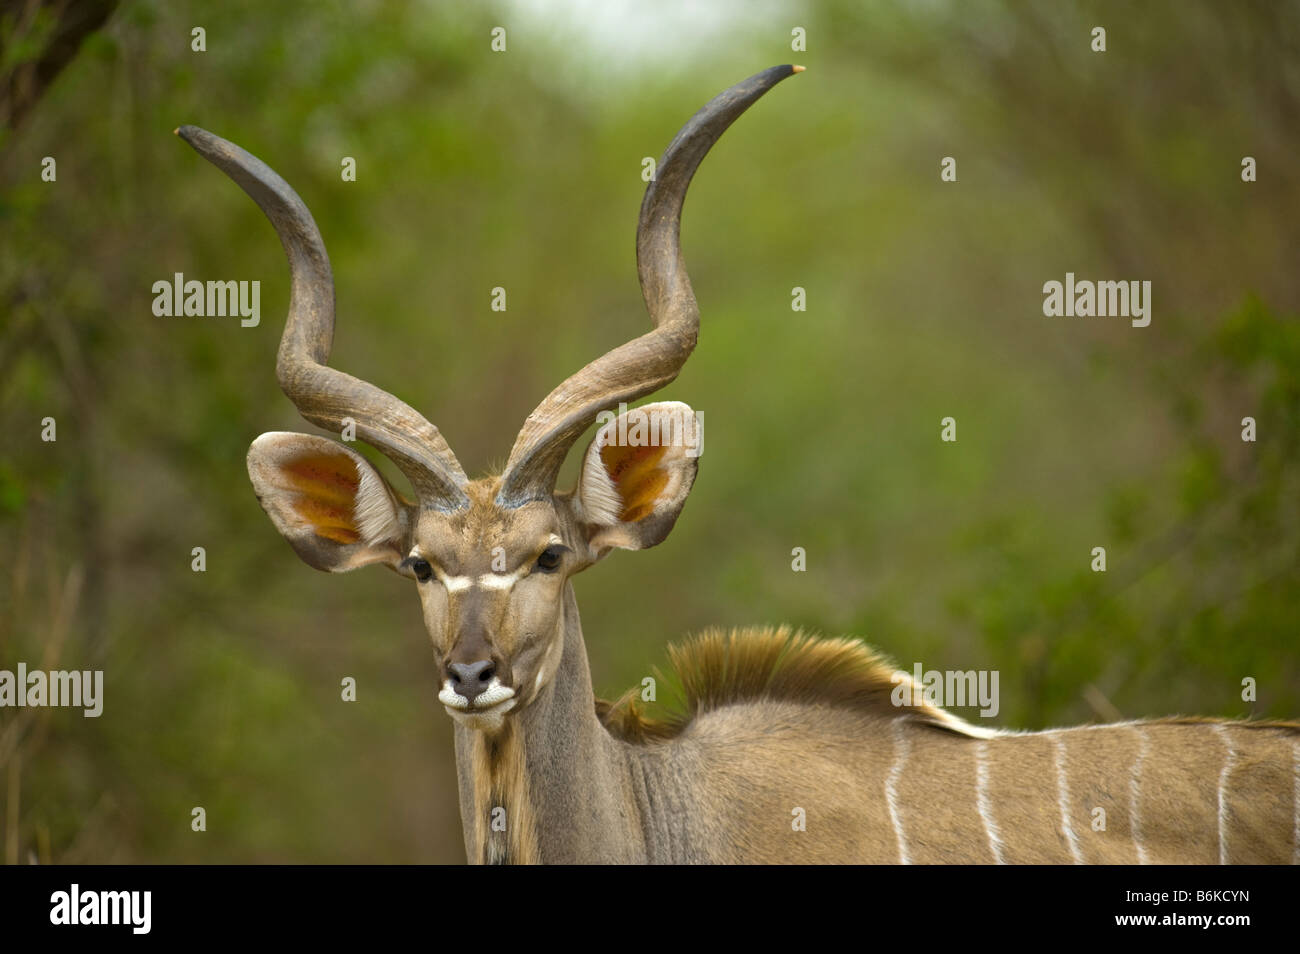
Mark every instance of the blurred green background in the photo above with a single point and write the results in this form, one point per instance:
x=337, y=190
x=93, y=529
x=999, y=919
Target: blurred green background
x=522, y=169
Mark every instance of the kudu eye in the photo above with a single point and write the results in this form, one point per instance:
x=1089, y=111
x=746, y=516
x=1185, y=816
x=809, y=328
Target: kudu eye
x=422, y=569
x=550, y=558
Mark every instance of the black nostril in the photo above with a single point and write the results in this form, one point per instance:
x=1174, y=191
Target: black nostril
x=471, y=678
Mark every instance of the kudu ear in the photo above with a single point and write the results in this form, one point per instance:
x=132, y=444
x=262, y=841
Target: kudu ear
x=335, y=509
x=637, y=473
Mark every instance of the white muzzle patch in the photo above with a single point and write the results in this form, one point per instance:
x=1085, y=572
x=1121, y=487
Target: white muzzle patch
x=494, y=695
x=489, y=709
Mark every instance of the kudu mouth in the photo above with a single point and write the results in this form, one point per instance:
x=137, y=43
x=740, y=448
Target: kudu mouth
x=486, y=711
x=494, y=695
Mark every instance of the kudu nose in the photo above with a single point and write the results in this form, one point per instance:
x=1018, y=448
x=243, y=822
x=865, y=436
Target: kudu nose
x=471, y=679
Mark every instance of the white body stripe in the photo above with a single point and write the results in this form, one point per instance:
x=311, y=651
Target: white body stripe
x=1229, y=760
x=1063, y=797
x=1135, y=796
x=958, y=724
x=982, y=803
x=901, y=746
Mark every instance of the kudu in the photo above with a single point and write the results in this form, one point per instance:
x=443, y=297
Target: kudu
x=791, y=748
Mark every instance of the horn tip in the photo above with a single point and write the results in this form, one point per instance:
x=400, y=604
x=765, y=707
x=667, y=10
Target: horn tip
x=797, y=69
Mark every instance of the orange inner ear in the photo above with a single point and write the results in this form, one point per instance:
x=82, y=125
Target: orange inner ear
x=327, y=490
x=637, y=477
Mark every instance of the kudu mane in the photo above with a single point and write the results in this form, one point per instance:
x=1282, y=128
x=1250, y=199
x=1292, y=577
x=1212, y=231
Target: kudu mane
x=726, y=667
x=721, y=667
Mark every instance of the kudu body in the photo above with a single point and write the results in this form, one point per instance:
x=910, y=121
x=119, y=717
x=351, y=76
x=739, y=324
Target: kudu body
x=791, y=748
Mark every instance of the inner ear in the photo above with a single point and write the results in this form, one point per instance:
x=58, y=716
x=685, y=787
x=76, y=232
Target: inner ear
x=325, y=494
x=637, y=476
x=328, y=501
x=637, y=473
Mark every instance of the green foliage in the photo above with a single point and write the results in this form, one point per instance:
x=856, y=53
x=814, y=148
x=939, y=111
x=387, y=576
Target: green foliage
x=1200, y=588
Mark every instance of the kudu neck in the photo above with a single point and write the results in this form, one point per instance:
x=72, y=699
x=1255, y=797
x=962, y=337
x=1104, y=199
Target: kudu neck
x=553, y=786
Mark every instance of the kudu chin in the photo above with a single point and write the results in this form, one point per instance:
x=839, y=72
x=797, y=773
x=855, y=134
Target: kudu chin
x=791, y=748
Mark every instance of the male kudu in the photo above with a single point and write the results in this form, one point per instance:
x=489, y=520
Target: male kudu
x=780, y=727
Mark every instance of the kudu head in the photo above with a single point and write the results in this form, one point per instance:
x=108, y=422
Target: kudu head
x=490, y=558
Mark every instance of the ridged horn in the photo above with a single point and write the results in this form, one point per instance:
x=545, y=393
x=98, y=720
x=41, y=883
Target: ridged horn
x=645, y=364
x=323, y=395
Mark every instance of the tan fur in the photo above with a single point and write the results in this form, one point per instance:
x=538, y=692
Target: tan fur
x=775, y=719
x=719, y=668
x=501, y=781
